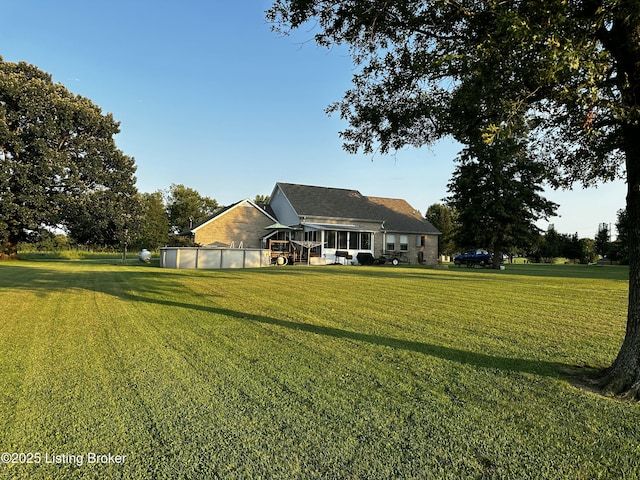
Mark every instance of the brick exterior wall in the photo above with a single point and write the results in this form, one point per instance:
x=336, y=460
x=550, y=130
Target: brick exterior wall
x=243, y=223
x=429, y=250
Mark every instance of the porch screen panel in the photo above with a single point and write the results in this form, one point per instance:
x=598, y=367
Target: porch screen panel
x=331, y=238
x=365, y=241
x=353, y=240
x=342, y=239
x=312, y=236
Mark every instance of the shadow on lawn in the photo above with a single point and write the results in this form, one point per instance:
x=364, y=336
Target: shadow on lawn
x=508, y=364
x=452, y=273
x=140, y=285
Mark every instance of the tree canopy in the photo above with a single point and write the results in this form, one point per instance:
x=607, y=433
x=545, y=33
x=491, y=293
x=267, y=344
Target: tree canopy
x=421, y=62
x=568, y=71
x=186, y=207
x=59, y=165
x=153, y=230
x=445, y=219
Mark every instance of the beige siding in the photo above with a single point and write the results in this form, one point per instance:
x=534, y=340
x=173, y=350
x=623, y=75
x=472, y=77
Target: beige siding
x=243, y=223
x=429, y=249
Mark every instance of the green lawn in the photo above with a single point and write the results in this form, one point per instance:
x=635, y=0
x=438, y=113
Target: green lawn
x=311, y=372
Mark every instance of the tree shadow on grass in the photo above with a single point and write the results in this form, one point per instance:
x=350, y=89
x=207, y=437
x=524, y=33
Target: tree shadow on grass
x=475, y=359
x=141, y=285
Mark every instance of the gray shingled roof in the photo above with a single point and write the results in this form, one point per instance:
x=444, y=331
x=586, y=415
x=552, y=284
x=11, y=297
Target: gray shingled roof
x=338, y=203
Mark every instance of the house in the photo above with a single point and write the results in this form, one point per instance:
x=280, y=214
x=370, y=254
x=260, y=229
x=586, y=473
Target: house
x=324, y=226
x=344, y=223
x=241, y=225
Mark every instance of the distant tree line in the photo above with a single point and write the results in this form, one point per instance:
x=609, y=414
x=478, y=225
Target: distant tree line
x=536, y=245
x=153, y=220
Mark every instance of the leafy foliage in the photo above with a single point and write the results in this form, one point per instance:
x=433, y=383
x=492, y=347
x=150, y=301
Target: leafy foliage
x=603, y=239
x=58, y=161
x=186, y=207
x=444, y=218
x=101, y=218
x=153, y=231
x=420, y=61
x=261, y=199
x=561, y=245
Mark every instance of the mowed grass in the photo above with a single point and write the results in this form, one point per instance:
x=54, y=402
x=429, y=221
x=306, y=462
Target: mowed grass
x=311, y=372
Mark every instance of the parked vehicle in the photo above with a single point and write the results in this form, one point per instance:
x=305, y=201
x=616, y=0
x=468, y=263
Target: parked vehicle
x=474, y=257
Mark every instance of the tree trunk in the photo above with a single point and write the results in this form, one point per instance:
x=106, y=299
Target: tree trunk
x=623, y=377
x=623, y=42
x=9, y=250
x=497, y=260
x=497, y=247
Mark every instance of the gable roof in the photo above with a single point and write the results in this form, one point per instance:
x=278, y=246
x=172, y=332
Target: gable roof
x=308, y=200
x=338, y=203
x=399, y=216
x=224, y=210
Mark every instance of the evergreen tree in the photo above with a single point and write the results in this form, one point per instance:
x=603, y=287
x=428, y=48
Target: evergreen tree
x=444, y=218
x=603, y=240
x=496, y=192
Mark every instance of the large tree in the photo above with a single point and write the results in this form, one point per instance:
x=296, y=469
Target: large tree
x=186, y=207
x=571, y=67
x=59, y=166
x=445, y=219
x=153, y=230
x=103, y=218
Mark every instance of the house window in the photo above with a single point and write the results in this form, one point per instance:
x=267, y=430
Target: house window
x=419, y=240
x=348, y=240
x=391, y=242
x=331, y=239
x=342, y=239
x=404, y=243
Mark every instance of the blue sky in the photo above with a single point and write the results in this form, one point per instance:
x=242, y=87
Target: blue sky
x=209, y=97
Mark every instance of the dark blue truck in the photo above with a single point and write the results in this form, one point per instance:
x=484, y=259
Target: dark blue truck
x=474, y=257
